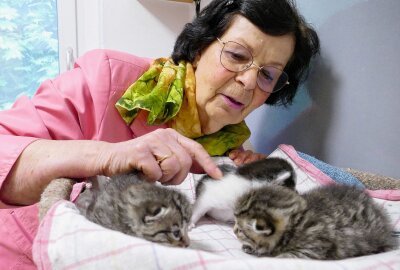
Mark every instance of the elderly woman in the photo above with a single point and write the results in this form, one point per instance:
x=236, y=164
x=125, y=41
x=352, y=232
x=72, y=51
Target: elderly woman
x=116, y=112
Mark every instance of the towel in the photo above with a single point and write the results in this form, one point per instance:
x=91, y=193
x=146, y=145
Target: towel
x=337, y=174
x=67, y=240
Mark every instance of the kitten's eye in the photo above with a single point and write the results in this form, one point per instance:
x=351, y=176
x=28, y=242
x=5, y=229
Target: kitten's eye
x=262, y=227
x=176, y=234
x=155, y=215
x=156, y=211
x=259, y=227
x=255, y=225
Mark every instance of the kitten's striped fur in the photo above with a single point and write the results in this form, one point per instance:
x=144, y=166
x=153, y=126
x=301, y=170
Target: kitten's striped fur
x=135, y=207
x=332, y=222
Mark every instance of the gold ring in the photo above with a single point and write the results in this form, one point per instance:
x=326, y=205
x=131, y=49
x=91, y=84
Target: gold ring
x=161, y=159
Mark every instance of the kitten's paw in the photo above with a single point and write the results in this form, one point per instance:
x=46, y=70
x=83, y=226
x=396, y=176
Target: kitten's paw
x=287, y=255
x=248, y=249
x=191, y=226
x=230, y=222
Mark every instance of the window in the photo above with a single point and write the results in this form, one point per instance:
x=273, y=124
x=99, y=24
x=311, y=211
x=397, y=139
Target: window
x=28, y=47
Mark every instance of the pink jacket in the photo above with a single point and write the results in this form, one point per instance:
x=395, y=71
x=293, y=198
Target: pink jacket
x=78, y=104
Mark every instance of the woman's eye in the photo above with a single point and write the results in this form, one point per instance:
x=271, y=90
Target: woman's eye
x=235, y=56
x=267, y=75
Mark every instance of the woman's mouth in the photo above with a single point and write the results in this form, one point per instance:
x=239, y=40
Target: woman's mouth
x=232, y=103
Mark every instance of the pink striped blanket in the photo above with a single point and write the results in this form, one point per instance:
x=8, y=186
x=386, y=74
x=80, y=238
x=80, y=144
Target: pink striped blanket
x=66, y=240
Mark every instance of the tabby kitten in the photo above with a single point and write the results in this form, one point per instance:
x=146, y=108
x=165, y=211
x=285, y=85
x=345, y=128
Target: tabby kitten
x=127, y=204
x=217, y=197
x=327, y=223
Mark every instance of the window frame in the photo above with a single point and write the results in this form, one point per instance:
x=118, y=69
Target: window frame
x=67, y=33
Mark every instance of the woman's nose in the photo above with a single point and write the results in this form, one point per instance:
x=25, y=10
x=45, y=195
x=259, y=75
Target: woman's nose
x=248, y=78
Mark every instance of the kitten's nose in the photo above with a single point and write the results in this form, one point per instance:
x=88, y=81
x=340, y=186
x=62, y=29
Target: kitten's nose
x=184, y=241
x=236, y=229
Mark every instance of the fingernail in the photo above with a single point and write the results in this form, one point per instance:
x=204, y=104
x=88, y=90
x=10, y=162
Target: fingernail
x=218, y=174
x=238, y=161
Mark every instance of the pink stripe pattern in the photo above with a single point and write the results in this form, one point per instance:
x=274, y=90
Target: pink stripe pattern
x=66, y=240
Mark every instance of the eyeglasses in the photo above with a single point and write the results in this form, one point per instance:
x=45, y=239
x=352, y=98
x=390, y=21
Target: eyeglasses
x=236, y=58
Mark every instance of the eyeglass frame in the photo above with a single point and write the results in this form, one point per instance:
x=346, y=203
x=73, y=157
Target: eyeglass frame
x=223, y=43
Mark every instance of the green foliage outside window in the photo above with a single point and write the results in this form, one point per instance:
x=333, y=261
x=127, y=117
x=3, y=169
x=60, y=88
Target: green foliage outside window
x=28, y=47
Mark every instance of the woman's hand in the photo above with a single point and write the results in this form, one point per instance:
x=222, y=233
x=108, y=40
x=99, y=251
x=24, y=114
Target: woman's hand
x=242, y=157
x=163, y=155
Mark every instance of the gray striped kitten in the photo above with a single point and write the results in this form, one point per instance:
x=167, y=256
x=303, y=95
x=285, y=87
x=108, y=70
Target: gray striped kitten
x=217, y=197
x=127, y=204
x=327, y=223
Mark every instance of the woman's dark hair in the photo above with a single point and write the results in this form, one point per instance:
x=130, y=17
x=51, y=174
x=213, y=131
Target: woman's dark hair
x=273, y=17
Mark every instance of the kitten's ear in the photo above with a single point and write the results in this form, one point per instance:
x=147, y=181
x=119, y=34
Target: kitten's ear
x=183, y=205
x=298, y=205
x=244, y=203
x=155, y=214
x=295, y=206
x=302, y=205
x=261, y=226
x=282, y=177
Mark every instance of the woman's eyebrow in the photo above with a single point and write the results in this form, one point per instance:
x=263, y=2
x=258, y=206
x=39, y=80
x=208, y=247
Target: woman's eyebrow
x=274, y=64
x=243, y=42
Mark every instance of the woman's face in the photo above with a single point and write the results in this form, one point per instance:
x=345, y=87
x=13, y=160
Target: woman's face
x=224, y=97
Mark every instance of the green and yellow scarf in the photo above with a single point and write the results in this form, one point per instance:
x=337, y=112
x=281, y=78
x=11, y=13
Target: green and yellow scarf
x=167, y=92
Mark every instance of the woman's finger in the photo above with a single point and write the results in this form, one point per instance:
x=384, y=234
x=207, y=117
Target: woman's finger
x=234, y=153
x=241, y=157
x=150, y=169
x=169, y=168
x=176, y=167
x=181, y=175
x=247, y=156
x=198, y=153
x=254, y=157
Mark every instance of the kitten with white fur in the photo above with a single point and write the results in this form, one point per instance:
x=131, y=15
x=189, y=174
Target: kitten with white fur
x=217, y=198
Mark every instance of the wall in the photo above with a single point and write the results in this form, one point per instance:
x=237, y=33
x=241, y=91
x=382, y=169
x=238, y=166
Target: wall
x=347, y=114
x=142, y=27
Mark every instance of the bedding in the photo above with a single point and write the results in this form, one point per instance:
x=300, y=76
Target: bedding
x=66, y=240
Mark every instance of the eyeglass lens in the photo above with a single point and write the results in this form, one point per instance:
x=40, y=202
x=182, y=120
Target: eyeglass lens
x=235, y=57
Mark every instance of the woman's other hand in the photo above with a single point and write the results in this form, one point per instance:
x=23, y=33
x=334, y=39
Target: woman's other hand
x=163, y=155
x=242, y=157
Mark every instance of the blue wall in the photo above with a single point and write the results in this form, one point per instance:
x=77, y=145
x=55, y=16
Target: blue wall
x=347, y=113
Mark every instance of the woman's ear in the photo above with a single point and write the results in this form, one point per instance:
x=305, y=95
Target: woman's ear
x=196, y=60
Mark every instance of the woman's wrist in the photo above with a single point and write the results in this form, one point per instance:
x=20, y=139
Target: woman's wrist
x=45, y=160
x=77, y=158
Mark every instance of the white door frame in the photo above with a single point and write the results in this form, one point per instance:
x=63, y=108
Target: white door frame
x=67, y=33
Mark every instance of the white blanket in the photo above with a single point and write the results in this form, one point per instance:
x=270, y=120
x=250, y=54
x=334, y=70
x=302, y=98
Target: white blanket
x=66, y=240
